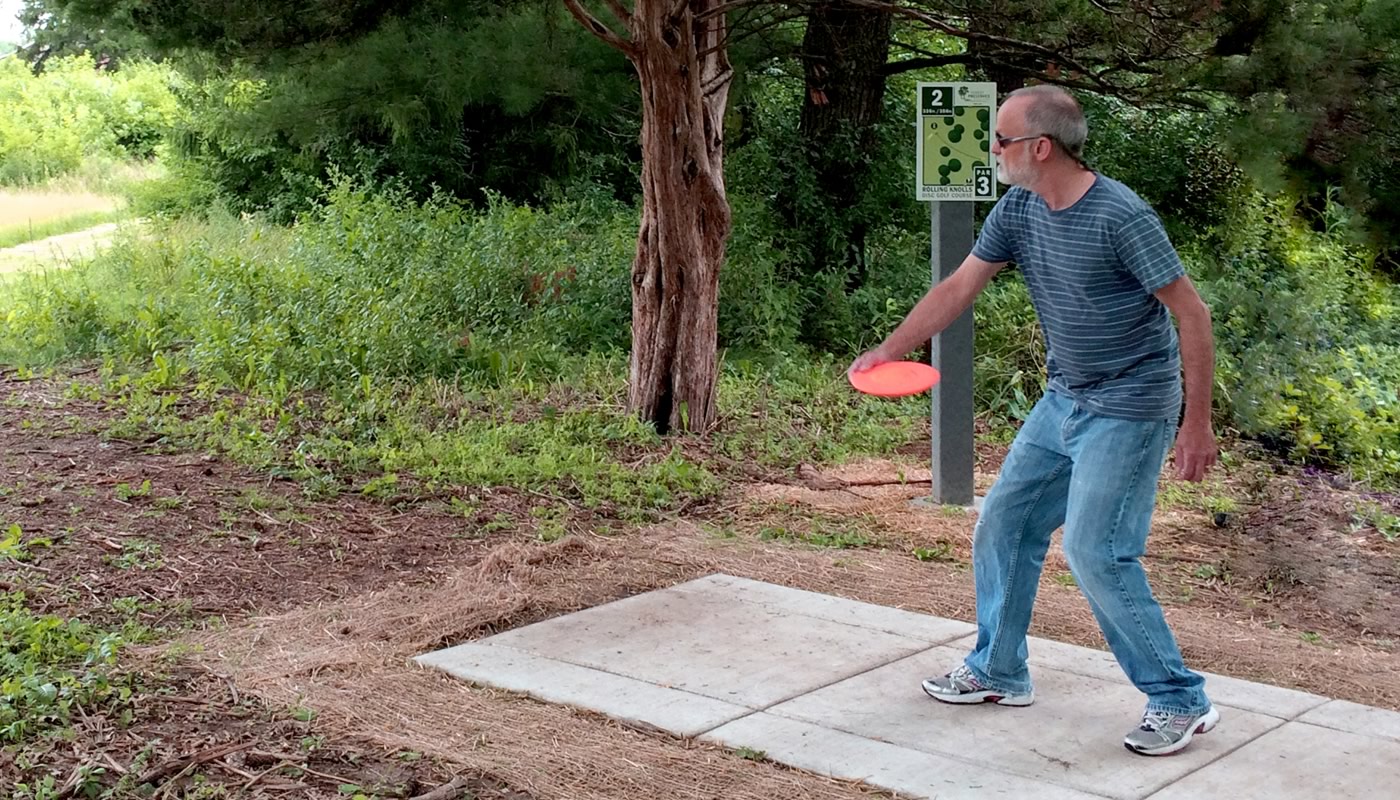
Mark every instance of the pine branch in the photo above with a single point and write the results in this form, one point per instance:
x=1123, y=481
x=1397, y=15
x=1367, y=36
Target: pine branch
x=736, y=33
x=925, y=62
x=734, y=5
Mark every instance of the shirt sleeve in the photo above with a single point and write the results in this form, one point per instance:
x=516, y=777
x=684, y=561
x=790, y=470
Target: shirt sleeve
x=1146, y=252
x=996, y=242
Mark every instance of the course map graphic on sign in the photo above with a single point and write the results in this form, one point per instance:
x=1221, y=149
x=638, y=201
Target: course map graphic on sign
x=956, y=124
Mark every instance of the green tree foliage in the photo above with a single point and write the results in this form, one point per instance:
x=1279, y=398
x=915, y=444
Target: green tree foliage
x=506, y=97
x=1320, y=87
x=1316, y=82
x=833, y=300
x=513, y=103
x=67, y=29
x=49, y=124
x=1178, y=161
x=1261, y=94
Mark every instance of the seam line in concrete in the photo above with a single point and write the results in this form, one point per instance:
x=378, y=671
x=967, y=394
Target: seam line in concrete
x=1298, y=717
x=1222, y=756
x=777, y=703
x=770, y=605
x=867, y=671
x=937, y=754
x=1347, y=731
x=709, y=731
x=748, y=708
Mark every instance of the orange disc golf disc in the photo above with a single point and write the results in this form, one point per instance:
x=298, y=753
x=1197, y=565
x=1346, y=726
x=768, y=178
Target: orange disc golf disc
x=895, y=379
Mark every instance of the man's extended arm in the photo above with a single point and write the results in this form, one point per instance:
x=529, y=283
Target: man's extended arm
x=936, y=311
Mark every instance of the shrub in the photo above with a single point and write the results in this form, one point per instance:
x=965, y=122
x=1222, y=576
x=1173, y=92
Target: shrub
x=51, y=123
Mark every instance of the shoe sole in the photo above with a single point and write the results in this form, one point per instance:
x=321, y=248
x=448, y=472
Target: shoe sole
x=973, y=698
x=1206, y=725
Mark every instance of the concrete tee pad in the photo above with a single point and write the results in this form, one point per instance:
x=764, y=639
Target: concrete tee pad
x=831, y=686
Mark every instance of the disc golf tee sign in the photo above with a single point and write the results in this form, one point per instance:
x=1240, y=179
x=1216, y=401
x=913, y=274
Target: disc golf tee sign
x=955, y=161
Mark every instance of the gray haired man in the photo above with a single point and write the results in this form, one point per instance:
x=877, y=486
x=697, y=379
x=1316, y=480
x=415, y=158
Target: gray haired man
x=1105, y=282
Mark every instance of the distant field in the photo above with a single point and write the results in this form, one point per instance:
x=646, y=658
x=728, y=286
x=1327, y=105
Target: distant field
x=30, y=214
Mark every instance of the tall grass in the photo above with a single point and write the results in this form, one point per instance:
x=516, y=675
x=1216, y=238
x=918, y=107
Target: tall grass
x=431, y=343
x=373, y=296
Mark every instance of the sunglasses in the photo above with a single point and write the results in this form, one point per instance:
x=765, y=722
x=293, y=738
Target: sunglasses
x=1003, y=141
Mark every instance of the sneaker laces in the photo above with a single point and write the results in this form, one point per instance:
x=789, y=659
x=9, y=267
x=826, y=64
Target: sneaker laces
x=1153, y=721
x=964, y=674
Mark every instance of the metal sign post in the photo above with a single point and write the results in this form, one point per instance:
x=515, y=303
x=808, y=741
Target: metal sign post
x=955, y=166
x=952, y=427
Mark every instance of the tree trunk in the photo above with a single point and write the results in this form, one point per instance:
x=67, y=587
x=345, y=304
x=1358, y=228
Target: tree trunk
x=844, y=52
x=685, y=224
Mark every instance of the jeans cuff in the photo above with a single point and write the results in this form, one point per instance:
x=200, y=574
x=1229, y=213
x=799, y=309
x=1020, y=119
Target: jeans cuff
x=994, y=685
x=1178, y=710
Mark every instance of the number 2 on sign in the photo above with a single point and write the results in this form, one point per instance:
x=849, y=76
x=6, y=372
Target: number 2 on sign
x=938, y=97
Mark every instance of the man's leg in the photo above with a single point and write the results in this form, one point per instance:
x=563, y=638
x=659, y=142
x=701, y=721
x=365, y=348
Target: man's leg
x=1112, y=493
x=1022, y=510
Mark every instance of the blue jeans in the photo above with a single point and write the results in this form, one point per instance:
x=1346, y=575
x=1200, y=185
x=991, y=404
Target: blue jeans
x=1096, y=476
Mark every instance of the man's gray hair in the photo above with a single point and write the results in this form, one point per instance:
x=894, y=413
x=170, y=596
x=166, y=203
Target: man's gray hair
x=1055, y=113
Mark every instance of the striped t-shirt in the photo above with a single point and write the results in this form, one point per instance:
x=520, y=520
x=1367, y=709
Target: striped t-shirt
x=1092, y=269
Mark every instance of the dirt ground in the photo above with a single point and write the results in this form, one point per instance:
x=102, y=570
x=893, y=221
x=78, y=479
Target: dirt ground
x=282, y=667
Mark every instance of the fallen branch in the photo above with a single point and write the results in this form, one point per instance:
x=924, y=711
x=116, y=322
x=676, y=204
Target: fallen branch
x=178, y=765
x=253, y=780
x=816, y=480
x=17, y=564
x=246, y=775
x=448, y=791
x=118, y=768
x=897, y=482
x=322, y=775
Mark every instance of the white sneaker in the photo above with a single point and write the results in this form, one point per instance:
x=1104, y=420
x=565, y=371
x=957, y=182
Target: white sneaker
x=1162, y=734
x=963, y=687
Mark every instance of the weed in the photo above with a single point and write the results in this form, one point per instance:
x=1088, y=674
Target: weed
x=719, y=531
x=50, y=668
x=125, y=492
x=139, y=554
x=819, y=535
x=12, y=545
x=169, y=503
x=502, y=521
x=750, y=754
x=312, y=743
x=1208, y=497
x=464, y=508
x=385, y=487
x=1213, y=573
x=942, y=550
x=255, y=499
x=302, y=714
x=549, y=525
x=1370, y=515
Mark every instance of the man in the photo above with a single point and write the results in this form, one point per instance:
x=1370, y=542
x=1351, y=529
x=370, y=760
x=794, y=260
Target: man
x=1102, y=277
